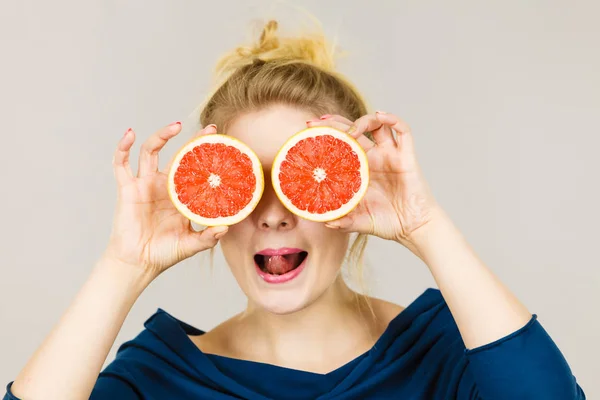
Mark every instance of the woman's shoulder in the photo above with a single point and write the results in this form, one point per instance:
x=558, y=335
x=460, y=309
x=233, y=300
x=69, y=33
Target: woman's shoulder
x=424, y=324
x=385, y=310
x=161, y=362
x=216, y=340
x=161, y=345
x=160, y=331
x=426, y=315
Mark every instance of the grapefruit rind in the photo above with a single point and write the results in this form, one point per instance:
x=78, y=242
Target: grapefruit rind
x=256, y=169
x=314, y=132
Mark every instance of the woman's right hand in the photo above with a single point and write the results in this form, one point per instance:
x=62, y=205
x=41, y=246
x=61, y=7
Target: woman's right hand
x=148, y=232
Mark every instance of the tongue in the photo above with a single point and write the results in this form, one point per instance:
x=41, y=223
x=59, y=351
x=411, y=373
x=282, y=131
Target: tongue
x=278, y=265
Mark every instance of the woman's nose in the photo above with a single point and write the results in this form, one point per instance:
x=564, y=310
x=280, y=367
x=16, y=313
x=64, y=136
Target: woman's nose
x=271, y=214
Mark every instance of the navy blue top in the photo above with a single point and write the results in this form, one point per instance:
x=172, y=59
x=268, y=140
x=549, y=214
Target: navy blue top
x=419, y=356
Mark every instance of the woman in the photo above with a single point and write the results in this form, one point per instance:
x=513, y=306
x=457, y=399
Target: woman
x=311, y=337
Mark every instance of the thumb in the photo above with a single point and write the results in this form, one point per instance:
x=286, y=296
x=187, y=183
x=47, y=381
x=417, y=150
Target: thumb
x=195, y=242
x=353, y=222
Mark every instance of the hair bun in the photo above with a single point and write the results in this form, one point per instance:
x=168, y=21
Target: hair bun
x=268, y=38
x=312, y=48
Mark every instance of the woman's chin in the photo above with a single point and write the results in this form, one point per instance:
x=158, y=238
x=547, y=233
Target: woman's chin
x=282, y=302
x=289, y=292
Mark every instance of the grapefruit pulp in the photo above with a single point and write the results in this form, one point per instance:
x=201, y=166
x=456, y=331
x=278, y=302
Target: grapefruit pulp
x=320, y=174
x=215, y=180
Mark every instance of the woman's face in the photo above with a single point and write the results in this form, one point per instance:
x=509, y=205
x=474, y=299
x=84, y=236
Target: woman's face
x=281, y=262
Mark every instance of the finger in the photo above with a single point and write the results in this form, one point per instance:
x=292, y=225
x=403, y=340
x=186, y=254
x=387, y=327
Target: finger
x=382, y=134
x=344, y=126
x=356, y=221
x=404, y=137
x=207, y=130
x=337, y=118
x=403, y=131
x=363, y=140
x=195, y=242
x=148, y=162
x=121, y=166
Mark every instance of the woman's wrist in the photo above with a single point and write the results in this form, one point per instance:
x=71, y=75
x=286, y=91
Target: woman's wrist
x=420, y=240
x=132, y=277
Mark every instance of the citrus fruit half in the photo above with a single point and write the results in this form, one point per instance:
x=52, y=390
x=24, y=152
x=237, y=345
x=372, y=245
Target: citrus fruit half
x=320, y=173
x=215, y=180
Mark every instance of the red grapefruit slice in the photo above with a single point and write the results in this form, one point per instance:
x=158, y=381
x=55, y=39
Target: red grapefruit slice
x=320, y=174
x=215, y=180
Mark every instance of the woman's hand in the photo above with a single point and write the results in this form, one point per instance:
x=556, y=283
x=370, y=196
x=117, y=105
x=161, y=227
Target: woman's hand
x=148, y=231
x=398, y=201
x=399, y=205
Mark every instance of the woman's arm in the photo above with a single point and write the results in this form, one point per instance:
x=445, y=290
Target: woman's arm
x=510, y=354
x=509, y=357
x=483, y=307
x=68, y=362
x=149, y=235
x=400, y=206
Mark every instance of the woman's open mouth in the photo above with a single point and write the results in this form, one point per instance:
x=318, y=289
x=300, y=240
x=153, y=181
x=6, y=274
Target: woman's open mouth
x=279, y=265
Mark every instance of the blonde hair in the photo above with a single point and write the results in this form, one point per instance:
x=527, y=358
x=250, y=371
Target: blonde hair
x=296, y=71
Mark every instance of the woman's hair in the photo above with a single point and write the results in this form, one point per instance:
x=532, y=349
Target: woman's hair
x=296, y=71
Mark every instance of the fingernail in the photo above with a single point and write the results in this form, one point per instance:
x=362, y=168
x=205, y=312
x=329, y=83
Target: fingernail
x=380, y=112
x=332, y=225
x=325, y=116
x=127, y=131
x=175, y=123
x=351, y=130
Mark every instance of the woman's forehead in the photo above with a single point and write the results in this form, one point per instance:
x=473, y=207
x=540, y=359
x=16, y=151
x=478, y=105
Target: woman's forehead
x=265, y=131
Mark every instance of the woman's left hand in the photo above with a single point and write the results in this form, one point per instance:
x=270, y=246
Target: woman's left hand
x=398, y=201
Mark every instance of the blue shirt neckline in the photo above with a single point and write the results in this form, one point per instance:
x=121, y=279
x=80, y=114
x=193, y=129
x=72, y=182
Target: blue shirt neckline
x=163, y=324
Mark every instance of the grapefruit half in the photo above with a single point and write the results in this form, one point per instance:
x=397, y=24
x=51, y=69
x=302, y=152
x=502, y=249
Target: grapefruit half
x=320, y=174
x=215, y=180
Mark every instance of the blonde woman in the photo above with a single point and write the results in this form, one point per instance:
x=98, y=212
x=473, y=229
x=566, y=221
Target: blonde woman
x=310, y=337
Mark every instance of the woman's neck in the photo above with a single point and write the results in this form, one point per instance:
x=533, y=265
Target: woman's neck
x=333, y=330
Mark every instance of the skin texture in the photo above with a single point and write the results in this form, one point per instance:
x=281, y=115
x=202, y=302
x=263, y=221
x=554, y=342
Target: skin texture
x=316, y=324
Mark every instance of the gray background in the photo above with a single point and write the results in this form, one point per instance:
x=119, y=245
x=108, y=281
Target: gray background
x=503, y=98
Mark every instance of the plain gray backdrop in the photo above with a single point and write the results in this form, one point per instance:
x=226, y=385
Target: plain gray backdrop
x=503, y=98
